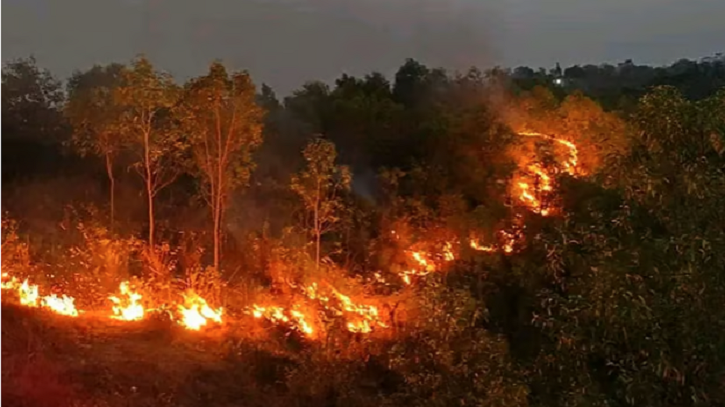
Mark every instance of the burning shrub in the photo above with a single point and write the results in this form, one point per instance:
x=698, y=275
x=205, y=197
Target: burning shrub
x=15, y=253
x=94, y=266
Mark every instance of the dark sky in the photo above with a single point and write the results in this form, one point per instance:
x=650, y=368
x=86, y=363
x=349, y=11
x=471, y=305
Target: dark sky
x=286, y=42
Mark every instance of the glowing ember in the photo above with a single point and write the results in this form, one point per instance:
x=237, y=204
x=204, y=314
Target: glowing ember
x=448, y=252
x=63, y=305
x=477, y=246
x=509, y=241
x=129, y=308
x=196, y=312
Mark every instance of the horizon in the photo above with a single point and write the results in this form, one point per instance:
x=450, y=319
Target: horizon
x=284, y=43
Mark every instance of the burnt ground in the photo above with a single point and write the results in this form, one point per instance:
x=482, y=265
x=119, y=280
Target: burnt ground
x=50, y=360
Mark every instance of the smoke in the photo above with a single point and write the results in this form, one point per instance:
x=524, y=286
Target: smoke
x=281, y=42
x=365, y=184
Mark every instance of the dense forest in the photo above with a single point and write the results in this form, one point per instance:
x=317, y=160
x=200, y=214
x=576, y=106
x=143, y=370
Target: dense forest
x=493, y=238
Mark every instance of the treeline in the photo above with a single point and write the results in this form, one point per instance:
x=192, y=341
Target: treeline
x=616, y=301
x=620, y=86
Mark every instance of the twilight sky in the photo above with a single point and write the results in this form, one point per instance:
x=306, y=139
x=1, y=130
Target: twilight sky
x=286, y=42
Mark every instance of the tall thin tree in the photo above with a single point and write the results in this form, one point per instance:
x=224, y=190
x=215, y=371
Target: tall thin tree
x=93, y=114
x=319, y=186
x=147, y=98
x=224, y=125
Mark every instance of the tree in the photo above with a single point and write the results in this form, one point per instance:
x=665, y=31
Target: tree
x=146, y=99
x=31, y=98
x=319, y=186
x=93, y=114
x=224, y=126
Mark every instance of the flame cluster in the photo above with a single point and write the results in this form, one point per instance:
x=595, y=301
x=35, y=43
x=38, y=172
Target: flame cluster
x=279, y=315
x=360, y=318
x=534, y=182
x=128, y=308
x=531, y=185
x=194, y=313
x=507, y=238
x=424, y=262
x=29, y=297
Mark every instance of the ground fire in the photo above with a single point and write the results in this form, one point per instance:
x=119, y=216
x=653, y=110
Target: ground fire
x=193, y=312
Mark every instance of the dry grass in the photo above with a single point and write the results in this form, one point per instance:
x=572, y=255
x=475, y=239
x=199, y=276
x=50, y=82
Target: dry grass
x=55, y=361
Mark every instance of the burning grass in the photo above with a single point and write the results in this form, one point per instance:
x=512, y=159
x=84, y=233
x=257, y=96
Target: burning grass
x=316, y=300
x=141, y=346
x=49, y=360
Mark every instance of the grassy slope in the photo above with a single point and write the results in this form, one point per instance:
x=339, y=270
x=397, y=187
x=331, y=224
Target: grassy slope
x=49, y=360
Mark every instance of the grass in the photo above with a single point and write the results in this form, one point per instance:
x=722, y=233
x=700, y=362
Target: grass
x=49, y=360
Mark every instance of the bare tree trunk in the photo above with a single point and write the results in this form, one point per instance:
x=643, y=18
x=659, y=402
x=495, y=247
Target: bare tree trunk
x=317, y=255
x=149, y=191
x=318, y=232
x=217, y=235
x=217, y=192
x=112, y=180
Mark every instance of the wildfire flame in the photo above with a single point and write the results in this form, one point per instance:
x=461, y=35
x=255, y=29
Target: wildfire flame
x=63, y=305
x=28, y=294
x=132, y=311
x=195, y=313
x=475, y=245
x=9, y=283
x=302, y=323
x=366, y=316
x=278, y=315
x=423, y=260
x=531, y=183
x=29, y=297
x=361, y=318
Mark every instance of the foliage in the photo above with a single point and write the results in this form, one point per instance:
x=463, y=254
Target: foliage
x=31, y=98
x=15, y=252
x=94, y=115
x=445, y=359
x=223, y=126
x=146, y=98
x=99, y=263
x=92, y=111
x=319, y=186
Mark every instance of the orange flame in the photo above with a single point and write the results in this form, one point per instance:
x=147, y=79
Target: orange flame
x=9, y=283
x=28, y=294
x=368, y=313
x=302, y=323
x=29, y=297
x=527, y=193
x=196, y=312
x=133, y=311
x=277, y=315
x=475, y=245
x=63, y=305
